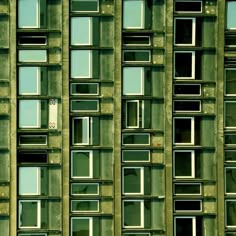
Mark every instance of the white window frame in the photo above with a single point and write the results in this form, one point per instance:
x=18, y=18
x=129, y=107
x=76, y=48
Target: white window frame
x=84, y=194
x=34, y=144
x=193, y=31
x=229, y=94
x=228, y=226
x=192, y=66
x=188, y=194
x=141, y=214
x=187, y=111
x=135, y=144
x=90, y=164
x=228, y=127
x=200, y=210
x=141, y=180
x=149, y=154
x=192, y=164
x=38, y=214
x=135, y=50
x=43, y=60
x=97, y=1
x=188, y=2
x=97, y=201
x=188, y=94
x=228, y=167
x=226, y=15
x=82, y=218
x=192, y=142
x=75, y=100
x=138, y=44
x=33, y=43
x=84, y=94
x=186, y=217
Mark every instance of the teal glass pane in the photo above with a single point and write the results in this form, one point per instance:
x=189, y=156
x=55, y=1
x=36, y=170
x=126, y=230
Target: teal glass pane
x=81, y=226
x=133, y=16
x=231, y=16
x=29, y=114
x=132, y=214
x=84, y=189
x=81, y=32
x=81, y=63
x=32, y=55
x=29, y=81
x=133, y=80
x=28, y=180
x=84, y=205
x=28, y=18
x=81, y=164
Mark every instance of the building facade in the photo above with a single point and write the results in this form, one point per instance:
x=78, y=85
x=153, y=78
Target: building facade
x=117, y=118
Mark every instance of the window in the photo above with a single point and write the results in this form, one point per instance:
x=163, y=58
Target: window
x=27, y=139
x=85, y=5
x=84, y=105
x=84, y=89
x=85, y=206
x=230, y=114
x=142, y=56
x=231, y=20
x=187, y=205
x=187, y=89
x=185, y=225
x=29, y=80
x=187, y=189
x=29, y=214
x=184, y=65
x=230, y=155
x=188, y=6
x=32, y=39
x=136, y=139
x=136, y=155
x=187, y=106
x=230, y=214
x=81, y=164
x=29, y=180
x=84, y=189
x=32, y=55
x=140, y=40
x=230, y=139
x=133, y=180
x=184, y=164
x=184, y=130
x=133, y=214
x=136, y=234
x=185, y=30
x=82, y=226
x=230, y=81
x=32, y=156
x=230, y=180
x=133, y=14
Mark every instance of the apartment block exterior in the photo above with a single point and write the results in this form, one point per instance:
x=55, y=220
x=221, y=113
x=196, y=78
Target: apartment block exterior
x=118, y=118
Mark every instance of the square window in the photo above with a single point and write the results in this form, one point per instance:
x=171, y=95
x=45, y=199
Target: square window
x=185, y=225
x=84, y=189
x=185, y=31
x=136, y=139
x=82, y=226
x=183, y=130
x=184, y=63
x=230, y=114
x=81, y=164
x=85, y=206
x=84, y=105
x=230, y=82
x=84, y=88
x=85, y=5
x=136, y=155
x=184, y=164
x=188, y=6
x=230, y=175
x=187, y=189
x=29, y=214
x=187, y=205
x=187, y=106
x=133, y=14
x=230, y=208
x=133, y=180
x=187, y=89
x=136, y=56
x=32, y=55
x=231, y=20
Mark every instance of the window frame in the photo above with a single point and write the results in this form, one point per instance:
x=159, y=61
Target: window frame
x=31, y=60
x=136, y=50
x=134, y=144
x=93, y=194
x=230, y=161
x=149, y=156
x=226, y=20
x=225, y=115
x=83, y=94
x=194, y=225
x=187, y=111
x=28, y=135
x=189, y=2
x=188, y=194
x=82, y=217
x=181, y=200
x=186, y=94
x=225, y=180
x=83, y=100
x=226, y=225
x=138, y=44
x=225, y=81
x=80, y=211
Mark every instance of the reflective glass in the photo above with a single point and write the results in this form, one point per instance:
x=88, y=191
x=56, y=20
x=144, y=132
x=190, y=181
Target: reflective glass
x=32, y=55
x=231, y=17
x=84, y=105
x=84, y=205
x=81, y=226
x=84, y=189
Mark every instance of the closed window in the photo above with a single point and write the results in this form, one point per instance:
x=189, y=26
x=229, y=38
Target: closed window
x=230, y=180
x=136, y=139
x=230, y=114
x=187, y=205
x=186, y=6
x=84, y=189
x=135, y=56
x=187, y=189
x=84, y=89
x=187, y=89
x=136, y=155
x=187, y=106
x=84, y=105
x=230, y=82
x=230, y=213
x=82, y=226
x=32, y=139
x=32, y=55
x=85, y=206
x=230, y=155
x=85, y=5
x=231, y=19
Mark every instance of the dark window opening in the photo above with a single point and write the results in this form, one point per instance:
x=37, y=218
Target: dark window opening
x=187, y=89
x=32, y=40
x=188, y=6
x=32, y=157
x=187, y=106
x=136, y=40
x=183, y=205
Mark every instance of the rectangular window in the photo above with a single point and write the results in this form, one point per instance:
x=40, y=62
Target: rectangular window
x=85, y=5
x=32, y=55
x=85, y=206
x=84, y=105
x=29, y=80
x=32, y=40
x=230, y=208
x=34, y=156
x=29, y=214
x=186, y=6
x=230, y=180
x=84, y=189
x=185, y=225
x=136, y=139
x=230, y=139
x=133, y=214
x=133, y=180
x=185, y=31
x=230, y=82
x=81, y=131
x=133, y=14
x=183, y=131
x=82, y=226
x=135, y=56
x=184, y=63
x=84, y=88
x=133, y=80
x=187, y=106
x=230, y=155
x=29, y=180
x=187, y=205
x=140, y=40
x=136, y=155
x=230, y=114
x=81, y=63
x=27, y=139
x=187, y=189
x=231, y=20
x=187, y=89
x=81, y=164
x=184, y=164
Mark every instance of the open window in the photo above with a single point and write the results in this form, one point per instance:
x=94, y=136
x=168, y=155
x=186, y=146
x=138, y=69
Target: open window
x=187, y=106
x=185, y=225
x=187, y=205
x=80, y=189
x=187, y=89
x=230, y=14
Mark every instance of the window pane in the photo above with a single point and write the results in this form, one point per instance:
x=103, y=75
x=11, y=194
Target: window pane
x=187, y=106
x=133, y=15
x=230, y=82
x=84, y=89
x=138, y=139
x=132, y=114
x=33, y=139
x=28, y=18
x=230, y=155
x=230, y=179
x=29, y=80
x=185, y=226
x=32, y=55
x=187, y=89
x=231, y=19
x=84, y=5
x=136, y=56
x=136, y=155
x=230, y=213
x=81, y=63
x=85, y=205
x=230, y=139
x=188, y=6
x=84, y=105
x=183, y=205
x=29, y=180
x=81, y=31
x=81, y=226
x=81, y=130
x=230, y=114
x=29, y=114
x=187, y=189
x=84, y=189
x=133, y=80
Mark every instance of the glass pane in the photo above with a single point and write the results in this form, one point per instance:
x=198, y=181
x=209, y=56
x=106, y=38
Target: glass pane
x=183, y=65
x=29, y=80
x=230, y=155
x=183, y=205
x=136, y=155
x=230, y=139
x=132, y=180
x=188, y=6
x=231, y=213
x=187, y=106
x=84, y=205
x=133, y=15
x=26, y=18
x=81, y=63
x=32, y=139
x=84, y=189
x=84, y=105
x=84, y=5
x=133, y=80
x=183, y=131
x=84, y=89
x=132, y=114
x=230, y=114
x=231, y=19
x=184, y=226
x=184, y=31
x=136, y=56
x=132, y=216
x=32, y=55
x=136, y=139
x=29, y=182
x=81, y=131
x=81, y=226
x=187, y=188
x=29, y=114
x=187, y=89
x=81, y=32
x=230, y=178
x=136, y=234
x=230, y=80
x=183, y=164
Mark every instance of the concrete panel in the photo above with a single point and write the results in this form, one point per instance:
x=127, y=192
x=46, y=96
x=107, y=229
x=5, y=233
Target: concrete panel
x=4, y=208
x=157, y=140
x=157, y=157
x=106, y=206
x=4, y=191
x=209, y=190
x=107, y=107
x=106, y=190
x=54, y=181
x=107, y=90
x=54, y=158
x=158, y=214
x=55, y=215
x=4, y=107
x=55, y=141
x=4, y=226
x=158, y=57
x=54, y=15
x=209, y=90
x=107, y=31
x=158, y=175
x=4, y=130
x=209, y=206
x=4, y=31
x=106, y=65
x=208, y=107
x=4, y=60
